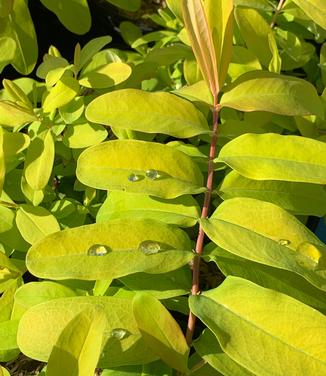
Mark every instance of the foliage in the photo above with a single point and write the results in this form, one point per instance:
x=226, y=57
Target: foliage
x=106, y=163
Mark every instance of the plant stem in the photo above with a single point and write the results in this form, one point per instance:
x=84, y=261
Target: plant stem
x=201, y=235
x=277, y=12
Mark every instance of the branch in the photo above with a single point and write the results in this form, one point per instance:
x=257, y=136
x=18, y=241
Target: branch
x=277, y=12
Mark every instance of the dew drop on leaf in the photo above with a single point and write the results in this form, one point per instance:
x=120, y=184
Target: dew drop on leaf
x=149, y=247
x=133, y=177
x=98, y=250
x=284, y=242
x=119, y=333
x=152, y=174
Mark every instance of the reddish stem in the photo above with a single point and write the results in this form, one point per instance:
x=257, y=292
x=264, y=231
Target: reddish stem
x=201, y=235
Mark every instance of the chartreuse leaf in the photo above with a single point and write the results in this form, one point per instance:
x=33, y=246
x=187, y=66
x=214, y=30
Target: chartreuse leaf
x=2, y=160
x=157, y=368
x=292, y=334
x=74, y=15
x=62, y=93
x=82, y=135
x=160, y=331
x=209, y=349
x=78, y=348
x=277, y=279
x=39, y=160
x=8, y=50
x=201, y=39
x=91, y=48
x=8, y=343
x=263, y=232
x=20, y=28
x=110, y=250
x=14, y=143
x=13, y=115
x=4, y=371
x=106, y=76
x=147, y=112
x=40, y=328
x=182, y=211
x=35, y=222
x=17, y=94
x=124, y=165
x=315, y=9
x=220, y=19
x=277, y=157
x=271, y=92
x=298, y=198
x=129, y=5
x=6, y=7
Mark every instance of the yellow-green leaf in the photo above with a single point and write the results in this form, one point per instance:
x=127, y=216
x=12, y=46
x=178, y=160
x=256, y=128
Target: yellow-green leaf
x=82, y=135
x=125, y=165
x=8, y=50
x=110, y=250
x=263, y=232
x=147, y=112
x=160, y=331
x=315, y=9
x=271, y=92
x=13, y=115
x=2, y=160
x=78, y=348
x=292, y=334
x=277, y=157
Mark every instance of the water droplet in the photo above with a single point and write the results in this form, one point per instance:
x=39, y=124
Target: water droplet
x=152, y=174
x=119, y=333
x=98, y=250
x=149, y=247
x=133, y=177
x=284, y=242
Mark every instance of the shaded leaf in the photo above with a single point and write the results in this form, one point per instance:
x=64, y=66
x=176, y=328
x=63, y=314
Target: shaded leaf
x=13, y=115
x=91, y=48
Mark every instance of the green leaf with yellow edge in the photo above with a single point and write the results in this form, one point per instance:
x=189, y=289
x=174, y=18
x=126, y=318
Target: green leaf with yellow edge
x=123, y=165
x=208, y=347
x=277, y=157
x=8, y=343
x=83, y=135
x=106, y=76
x=160, y=331
x=78, y=348
x=110, y=250
x=298, y=198
x=293, y=334
x=263, y=232
x=315, y=9
x=40, y=328
x=13, y=115
x=35, y=222
x=20, y=28
x=62, y=93
x=280, y=280
x=39, y=160
x=182, y=211
x=74, y=15
x=147, y=112
x=220, y=19
x=271, y=92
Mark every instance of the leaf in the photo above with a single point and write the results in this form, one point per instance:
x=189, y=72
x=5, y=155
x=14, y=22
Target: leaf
x=6, y=7
x=74, y=15
x=201, y=39
x=266, y=91
x=62, y=93
x=110, y=250
x=13, y=115
x=8, y=344
x=210, y=350
x=147, y=112
x=14, y=143
x=315, y=9
x=40, y=328
x=129, y=5
x=298, y=198
x=83, y=135
x=21, y=29
x=160, y=331
x=122, y=165
x=91, y=48
x=106, y=76
x=72, y=111
x=242, y=61
x=277, y=279
x=78, y=348
x=39, y=160
x=8, y=51
x=182, y=211
x=176, y=7
x=263, y=232
x=293, y=334
x=4, y=372
x=277, y=157
x=220, y=19
x=34, y=223
x=2, y=160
